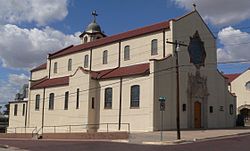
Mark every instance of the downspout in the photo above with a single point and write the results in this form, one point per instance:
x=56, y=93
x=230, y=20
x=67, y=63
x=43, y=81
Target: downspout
x=49, y=65
x=25, y=124
x=29, y=100
x=43, y=109
x=119, y=57
x=90, y=64
x=164, y=45
x=120, y=105
x=120, y=100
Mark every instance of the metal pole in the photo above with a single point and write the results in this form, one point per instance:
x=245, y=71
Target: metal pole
x=161, y=125
x=177, y=94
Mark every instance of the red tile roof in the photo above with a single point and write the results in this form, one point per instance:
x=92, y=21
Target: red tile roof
x=46, y=83
x=41, y=67
x=231, y=77
x=139, y=69
x=112, y=39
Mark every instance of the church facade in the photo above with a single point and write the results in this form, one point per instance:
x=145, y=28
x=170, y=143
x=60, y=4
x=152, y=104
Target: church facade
x=118, y=80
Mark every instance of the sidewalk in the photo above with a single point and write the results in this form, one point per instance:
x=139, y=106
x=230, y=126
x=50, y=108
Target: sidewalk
x=170, y=137
x=153, y=138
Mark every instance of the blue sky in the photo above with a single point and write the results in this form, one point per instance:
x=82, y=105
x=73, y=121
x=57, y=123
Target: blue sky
x=30, y=29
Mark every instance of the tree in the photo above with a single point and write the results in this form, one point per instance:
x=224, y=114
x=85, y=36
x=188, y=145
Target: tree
x=6, y=110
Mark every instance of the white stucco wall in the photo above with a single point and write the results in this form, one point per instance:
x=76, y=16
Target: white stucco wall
x=17, y=122
x=238, y=87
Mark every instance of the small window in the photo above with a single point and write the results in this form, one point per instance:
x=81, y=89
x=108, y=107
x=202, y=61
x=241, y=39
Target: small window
x=70, y=65
x=86, y=61
x=51, y=101
x=55, y=67
x=105, y=57
x=135, y=96
x=231, y=109
x=108, y=98
x=66, y=100
x=126, y=53
x=85, y=39
x=23, y=109
x=37, y=103
x=248, y=85
x=211, y=109
x=184, y=108
x=221, y=108
x=77, y=98
x=93, y=103
x=154, y=47
x=15, y=110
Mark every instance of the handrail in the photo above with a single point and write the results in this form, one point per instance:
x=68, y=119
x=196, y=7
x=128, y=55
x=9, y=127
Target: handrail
x=86, y=125
x=36, y=130
x=25, y=128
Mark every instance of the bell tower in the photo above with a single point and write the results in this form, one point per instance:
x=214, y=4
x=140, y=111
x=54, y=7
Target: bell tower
x=92, y=32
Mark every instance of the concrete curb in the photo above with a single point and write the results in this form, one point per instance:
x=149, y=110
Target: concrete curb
x=185, y=141
x=174, y=142
x=222, y=137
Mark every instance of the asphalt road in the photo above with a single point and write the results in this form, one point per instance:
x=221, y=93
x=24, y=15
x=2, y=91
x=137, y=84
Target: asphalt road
x=240, y=143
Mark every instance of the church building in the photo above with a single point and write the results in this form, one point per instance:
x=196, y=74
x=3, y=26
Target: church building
x=117, y=80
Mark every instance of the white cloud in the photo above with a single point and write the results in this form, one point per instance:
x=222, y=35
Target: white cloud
x=18, y=80
x=39, y=11
x=219, y=12
x=235, y=45
x=26, y=48
x=9, y=88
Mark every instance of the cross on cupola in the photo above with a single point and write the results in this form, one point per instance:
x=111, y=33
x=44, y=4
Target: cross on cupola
x=94, y=14
x=93, y=31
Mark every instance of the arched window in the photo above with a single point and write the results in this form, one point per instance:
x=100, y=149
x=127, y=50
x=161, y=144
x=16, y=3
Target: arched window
x=23, y=110
x=37, y=103
x=51, y=101
x=248, y=85
x=15, y=110
x=55, y=67
x=85, y=39
x=108, y=98
x=126, y=53
x=69, y=64
x=66, y=100
x=135, y=96
x=77, y=98
x=231, y=109
x=154, y=47
x=105, y=57
x=86, y=61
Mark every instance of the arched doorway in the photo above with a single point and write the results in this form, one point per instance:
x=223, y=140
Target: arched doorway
x=246, y=113
x=197, y=114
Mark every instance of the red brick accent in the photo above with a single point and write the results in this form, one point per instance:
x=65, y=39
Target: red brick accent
x=99, y=135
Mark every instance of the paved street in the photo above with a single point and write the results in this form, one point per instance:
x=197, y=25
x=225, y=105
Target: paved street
x=229, y=144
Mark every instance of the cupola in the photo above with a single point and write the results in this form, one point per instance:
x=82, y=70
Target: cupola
x=93, y=31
